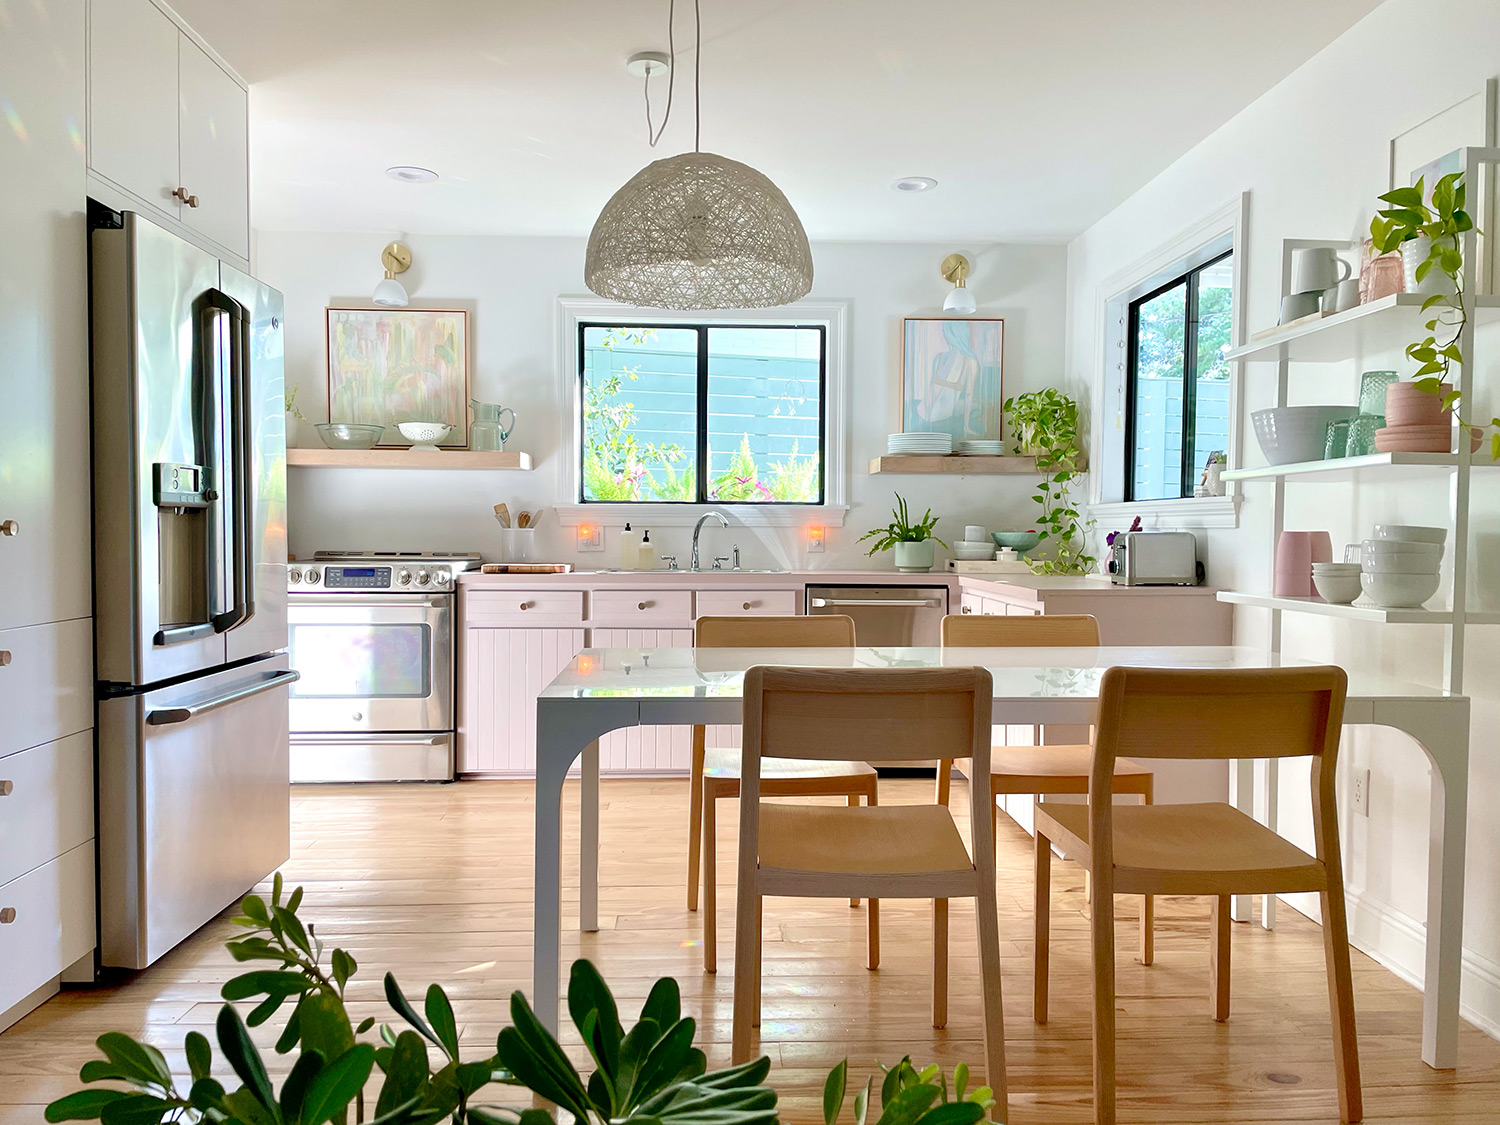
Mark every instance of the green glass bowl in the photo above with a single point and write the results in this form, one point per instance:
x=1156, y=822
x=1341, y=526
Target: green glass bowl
x=1018, y=541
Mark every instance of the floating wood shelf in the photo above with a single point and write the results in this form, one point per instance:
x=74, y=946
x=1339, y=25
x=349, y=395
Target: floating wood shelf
x=405, y=459
x=952, y=464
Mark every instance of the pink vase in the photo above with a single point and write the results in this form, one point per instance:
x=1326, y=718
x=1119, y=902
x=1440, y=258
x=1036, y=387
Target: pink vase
x=1296, y=551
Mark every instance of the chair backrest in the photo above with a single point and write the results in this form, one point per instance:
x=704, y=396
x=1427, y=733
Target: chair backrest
x=790, y=631
x=1063, y=630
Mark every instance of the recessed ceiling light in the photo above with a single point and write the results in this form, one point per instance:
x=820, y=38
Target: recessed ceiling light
x=411, y=174
x=915, y=183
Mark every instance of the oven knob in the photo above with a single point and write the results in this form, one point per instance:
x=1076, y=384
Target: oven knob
x=313, y=575
x=440, y=579
x=293, y=576
x=424, y=577
x=357, y=716
x=403, y=577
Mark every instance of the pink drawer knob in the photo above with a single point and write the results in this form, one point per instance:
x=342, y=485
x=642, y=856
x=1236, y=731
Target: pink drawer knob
x=747, y=605
x=4, y=657
x=7, y=915
x=7, y=788
x=643, y=605
x=526, y=605
x=10, y=527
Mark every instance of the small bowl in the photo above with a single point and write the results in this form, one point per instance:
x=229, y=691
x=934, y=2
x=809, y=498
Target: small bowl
x=1399, y=591
x=348, y=435
x=1411, y=533
x=424, y=433
x=1018, y=541
x=1337, y=589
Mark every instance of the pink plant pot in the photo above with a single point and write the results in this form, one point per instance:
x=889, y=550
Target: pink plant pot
x=1296, y=551
x=1405, y=405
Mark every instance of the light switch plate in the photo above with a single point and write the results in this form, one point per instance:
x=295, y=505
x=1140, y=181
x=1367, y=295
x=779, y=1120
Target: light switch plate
x=590, y=537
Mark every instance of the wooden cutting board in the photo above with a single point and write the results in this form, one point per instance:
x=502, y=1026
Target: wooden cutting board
x=526, y=568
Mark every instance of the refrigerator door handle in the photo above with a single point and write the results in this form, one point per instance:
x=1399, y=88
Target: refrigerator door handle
x=237, y=410
x=166, y=716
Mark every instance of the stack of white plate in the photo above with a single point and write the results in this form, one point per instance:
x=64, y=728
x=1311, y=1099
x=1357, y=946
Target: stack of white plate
x=978, y=448
x=919, y=443
x=1399, y=567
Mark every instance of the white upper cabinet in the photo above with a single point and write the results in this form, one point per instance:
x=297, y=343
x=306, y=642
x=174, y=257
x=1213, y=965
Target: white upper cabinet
x=167, y=124
x=214, y=138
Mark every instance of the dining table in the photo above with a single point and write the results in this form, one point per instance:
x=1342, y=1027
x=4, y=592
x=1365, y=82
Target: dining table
x=606, y=689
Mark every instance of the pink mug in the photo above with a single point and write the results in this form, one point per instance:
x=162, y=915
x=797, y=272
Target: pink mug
x=1296, y=551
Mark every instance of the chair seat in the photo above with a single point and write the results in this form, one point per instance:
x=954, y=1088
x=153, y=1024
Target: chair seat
x=724, y=762
x=883, y=840
x=1187, y=849
x=1055, y=761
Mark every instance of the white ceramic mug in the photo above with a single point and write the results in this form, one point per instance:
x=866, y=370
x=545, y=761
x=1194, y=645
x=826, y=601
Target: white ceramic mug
x=1342, y=297
x=1317, y=268
x=1295, y=306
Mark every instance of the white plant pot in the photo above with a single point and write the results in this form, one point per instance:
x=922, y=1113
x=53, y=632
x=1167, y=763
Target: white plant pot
x=915, y=558
x=1413, y=253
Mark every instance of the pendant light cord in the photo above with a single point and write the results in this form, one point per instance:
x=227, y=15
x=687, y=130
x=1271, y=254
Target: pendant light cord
x=655, y=135
x=697, y=77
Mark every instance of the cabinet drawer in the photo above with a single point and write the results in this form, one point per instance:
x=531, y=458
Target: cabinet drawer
x=51, y=922
x=642, y=607
x=523, y=607
x=739, y=603
x=46, y=683
x=46, y=803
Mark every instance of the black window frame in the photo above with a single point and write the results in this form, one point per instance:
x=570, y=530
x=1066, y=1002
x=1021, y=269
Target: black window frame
x=702, y=477
x=1189, y=469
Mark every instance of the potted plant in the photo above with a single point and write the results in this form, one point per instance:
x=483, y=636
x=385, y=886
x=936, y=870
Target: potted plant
x=1430, y=236
x=912, y=542
x=1045, y=426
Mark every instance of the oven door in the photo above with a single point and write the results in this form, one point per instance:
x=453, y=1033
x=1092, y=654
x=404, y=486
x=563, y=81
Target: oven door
x=382, y=663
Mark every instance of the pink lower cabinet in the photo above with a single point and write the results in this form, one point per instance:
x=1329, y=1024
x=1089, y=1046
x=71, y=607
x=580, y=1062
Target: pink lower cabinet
x=503, y=672
x=645, y=749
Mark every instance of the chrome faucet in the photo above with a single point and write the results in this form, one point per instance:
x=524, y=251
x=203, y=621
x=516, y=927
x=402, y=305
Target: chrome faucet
x=698, y=527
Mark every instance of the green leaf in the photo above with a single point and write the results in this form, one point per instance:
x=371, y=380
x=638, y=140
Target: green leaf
x=337, y=1084
x=833, y=1092
x=137, y=1109
x=342, y=967
x=245, y=1109
x=129, y=1060
x=592, y=1009
x=85, y=1105
x=908, y=1105
x=254, y=908
x=294, y=1089
x=1403, y=197
x=663, y=1002
x=295, y=901
x=953, y=1113
x=235, y=1044
x=440, y=1014
x=862, y=1103
x=206, y=1094
x=291, y=925
x=365, y=1025
x=1428, y=386
x=291, y=1032
x=960, y=1080
x=397, y=999
x=529, y=1051
x=264, y=1010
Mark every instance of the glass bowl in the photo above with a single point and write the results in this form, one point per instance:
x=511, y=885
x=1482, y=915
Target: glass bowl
x=348, y=435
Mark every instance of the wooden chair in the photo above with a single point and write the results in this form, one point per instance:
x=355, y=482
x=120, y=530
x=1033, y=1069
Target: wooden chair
x=716, y=770
x=906, y=851
x=1045, y=770
x=1204, y=849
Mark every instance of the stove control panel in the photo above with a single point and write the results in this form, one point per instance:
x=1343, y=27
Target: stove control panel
x=354, y=577
x=338, y=578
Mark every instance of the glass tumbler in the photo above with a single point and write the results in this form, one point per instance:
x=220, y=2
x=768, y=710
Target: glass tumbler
x=1336, y=444
x=1360, y=441
x=1372, y=385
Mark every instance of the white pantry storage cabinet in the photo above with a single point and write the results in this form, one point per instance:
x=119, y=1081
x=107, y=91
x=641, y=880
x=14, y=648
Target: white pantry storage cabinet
x=168, y=124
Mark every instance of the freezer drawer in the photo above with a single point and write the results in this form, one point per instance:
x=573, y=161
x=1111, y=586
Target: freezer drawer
x=372, y=757
x=194, y=804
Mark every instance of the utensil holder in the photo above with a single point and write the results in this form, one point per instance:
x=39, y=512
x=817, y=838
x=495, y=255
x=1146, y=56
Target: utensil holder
x=517, y=544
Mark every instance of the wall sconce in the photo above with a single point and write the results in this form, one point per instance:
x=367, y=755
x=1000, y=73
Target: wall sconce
x=390, y=293
x=961, y=300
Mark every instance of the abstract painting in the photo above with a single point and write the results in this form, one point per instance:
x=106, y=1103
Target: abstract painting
x=399, y=365
x=950, y=377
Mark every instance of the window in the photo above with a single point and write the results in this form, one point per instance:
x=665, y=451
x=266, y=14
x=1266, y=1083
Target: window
x=702, y=413
x=1177, y=382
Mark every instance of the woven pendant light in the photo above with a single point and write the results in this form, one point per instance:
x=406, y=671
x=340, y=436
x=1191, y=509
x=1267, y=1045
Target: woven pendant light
x=699, y=231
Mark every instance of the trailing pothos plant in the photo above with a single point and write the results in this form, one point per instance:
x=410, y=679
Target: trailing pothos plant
x=650, y=1074
x=1045, y=425
x=909, y=1096
x=1444, y=222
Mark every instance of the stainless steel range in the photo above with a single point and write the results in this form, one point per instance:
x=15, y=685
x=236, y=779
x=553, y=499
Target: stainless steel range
x=372, y=636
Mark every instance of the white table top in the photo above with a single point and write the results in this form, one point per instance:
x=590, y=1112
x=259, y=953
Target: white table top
x=1020, y=674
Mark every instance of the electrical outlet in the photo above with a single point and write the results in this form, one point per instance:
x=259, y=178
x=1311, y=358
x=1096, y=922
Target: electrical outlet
x=590, y=537
x=814, y=540
x=1361, y=795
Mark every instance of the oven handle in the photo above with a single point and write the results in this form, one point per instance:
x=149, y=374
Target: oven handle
x=921, y=603
x=322, y=601
x=166, y=716
x=368, y=737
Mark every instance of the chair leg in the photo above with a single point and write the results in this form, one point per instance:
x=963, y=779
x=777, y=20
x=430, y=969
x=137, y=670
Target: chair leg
x=1148, y=903
x=944, y=779
x=1102, y=949
x=987, y=919
x=1341, y=1004
x=853, y=804
x=1219, y=964
x=710, y=881
x=757, y=964
x=939, y=962
x=1042, y=953
x=746, y=968
x=872, y=919
x=695, y=815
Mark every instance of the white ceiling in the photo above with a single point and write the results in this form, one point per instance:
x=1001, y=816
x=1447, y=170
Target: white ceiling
x=1036, y=118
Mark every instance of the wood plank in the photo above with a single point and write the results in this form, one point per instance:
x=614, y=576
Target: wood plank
x=314, y=458
x=953, y=463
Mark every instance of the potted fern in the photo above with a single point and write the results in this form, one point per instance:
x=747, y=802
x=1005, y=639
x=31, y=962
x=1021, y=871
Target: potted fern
x=911, y=542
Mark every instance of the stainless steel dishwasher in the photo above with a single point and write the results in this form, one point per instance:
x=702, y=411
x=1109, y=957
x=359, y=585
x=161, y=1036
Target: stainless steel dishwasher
x=886, y=615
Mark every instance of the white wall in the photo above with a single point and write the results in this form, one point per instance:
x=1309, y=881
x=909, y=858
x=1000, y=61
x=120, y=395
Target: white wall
x=511, y=284
x=1313, y=153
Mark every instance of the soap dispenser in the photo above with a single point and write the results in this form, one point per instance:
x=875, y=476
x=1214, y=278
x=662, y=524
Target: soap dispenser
x=648, y=553
x=630, y=549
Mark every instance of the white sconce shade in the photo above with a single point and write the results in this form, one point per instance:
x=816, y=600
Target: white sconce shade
x=960, y=301
x=390, y=293
x=955, y=268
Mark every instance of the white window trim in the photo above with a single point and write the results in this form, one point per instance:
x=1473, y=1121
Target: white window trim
x=1189, y=248
x=833, y=315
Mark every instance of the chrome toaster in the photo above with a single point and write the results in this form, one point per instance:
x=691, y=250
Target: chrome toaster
x=1155, y=558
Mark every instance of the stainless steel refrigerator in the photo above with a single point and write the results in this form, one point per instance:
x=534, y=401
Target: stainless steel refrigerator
x=189, y=584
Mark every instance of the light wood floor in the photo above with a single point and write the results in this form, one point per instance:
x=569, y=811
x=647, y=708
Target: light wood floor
x=434, y=883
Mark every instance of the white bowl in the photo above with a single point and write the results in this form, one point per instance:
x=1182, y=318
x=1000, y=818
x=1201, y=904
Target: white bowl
x=1399, y=591
x=424, y=433
x=1337, y=589
x=1399, y=564
x=1288, y=434
x=1390, y=548
x=1411, y=533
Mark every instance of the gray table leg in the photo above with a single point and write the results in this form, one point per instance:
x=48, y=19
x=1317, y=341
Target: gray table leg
x=588, y=839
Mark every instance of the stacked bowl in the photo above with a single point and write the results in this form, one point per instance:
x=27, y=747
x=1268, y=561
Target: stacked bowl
x=1399, y=567
x=1337, y=583
x=975, y=546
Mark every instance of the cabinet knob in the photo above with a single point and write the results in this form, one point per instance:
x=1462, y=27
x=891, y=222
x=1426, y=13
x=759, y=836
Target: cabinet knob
x=7, y=915
x=9, y=527
x=4, y=657
x=181, y=194
x=7, y=788
x=644, y=605
x=747, y=605
x=526, y=605
x=966, y=609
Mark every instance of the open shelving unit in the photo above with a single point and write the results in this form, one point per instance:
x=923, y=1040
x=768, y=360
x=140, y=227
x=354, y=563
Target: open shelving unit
x=313, y=458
